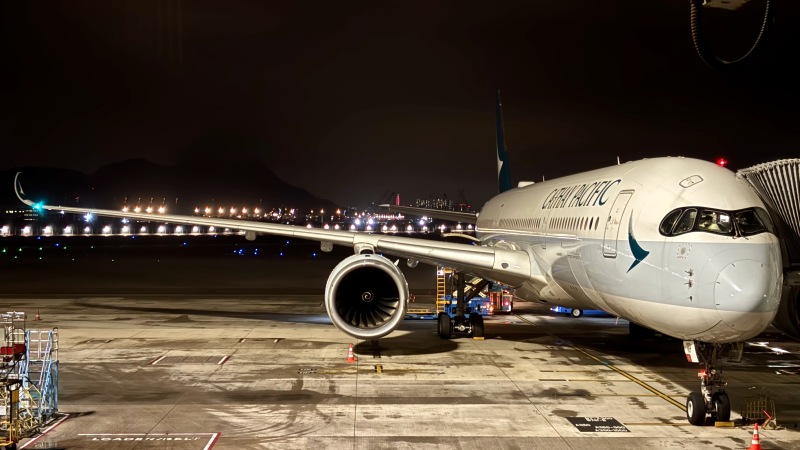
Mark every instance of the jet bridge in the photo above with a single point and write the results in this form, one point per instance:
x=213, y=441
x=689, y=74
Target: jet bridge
x=778, y=185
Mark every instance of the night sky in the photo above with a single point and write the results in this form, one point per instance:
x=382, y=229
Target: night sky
x=353, y=100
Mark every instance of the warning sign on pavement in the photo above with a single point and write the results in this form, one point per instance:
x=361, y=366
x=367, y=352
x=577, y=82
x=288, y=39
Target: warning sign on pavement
x=598, y=424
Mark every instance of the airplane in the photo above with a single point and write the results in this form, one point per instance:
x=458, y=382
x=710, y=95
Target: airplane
x=671, y=244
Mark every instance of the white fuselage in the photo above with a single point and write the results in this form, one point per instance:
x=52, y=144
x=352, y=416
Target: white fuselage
x=594, y=238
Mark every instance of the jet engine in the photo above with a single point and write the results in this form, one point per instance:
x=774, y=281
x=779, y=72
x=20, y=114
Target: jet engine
x=366, y=296
x=788, y=317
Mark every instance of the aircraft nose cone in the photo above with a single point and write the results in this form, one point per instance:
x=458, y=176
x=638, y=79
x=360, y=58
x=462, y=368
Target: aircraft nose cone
x=744, y=289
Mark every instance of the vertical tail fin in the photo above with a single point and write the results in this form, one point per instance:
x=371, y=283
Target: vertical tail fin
x=503, y=175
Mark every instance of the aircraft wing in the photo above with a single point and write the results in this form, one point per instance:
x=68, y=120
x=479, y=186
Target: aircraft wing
x=455, y=216
x=506, y=266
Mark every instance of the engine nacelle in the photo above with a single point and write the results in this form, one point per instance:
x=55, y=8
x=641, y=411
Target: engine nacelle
x=366, y=296
x=788, y=317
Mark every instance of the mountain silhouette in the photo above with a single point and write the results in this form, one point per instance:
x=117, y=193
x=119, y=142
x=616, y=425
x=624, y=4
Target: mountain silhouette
x=222, y=182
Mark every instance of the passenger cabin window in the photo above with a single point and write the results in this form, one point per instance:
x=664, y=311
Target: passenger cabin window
x=745, y=222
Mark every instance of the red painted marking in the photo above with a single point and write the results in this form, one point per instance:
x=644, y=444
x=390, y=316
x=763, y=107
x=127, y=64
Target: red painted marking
x=213, y=441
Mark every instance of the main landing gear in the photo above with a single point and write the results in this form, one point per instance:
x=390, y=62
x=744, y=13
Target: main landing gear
x=712, y=400
x=472, y=324
x=462, y=321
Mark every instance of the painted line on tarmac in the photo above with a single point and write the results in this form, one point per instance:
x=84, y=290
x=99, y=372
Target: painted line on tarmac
x=46, y=430
x=625, y=374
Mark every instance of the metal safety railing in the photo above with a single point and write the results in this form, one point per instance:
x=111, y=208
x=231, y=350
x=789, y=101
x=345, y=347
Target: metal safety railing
x=761, y=409
x=28, y=378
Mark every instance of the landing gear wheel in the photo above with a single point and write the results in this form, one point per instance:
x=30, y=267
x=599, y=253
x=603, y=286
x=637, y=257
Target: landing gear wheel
x=477, y=325
x=696, y=409
x=576, y=312
x=445, y=327
x=723, y=406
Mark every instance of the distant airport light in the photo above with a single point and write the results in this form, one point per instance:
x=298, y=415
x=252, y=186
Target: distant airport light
x=369, y=228
x=308, y=226
x=4, y=231
x=68, y=230
x=125, y=208
x=409, y=228
x=221, y=210
x=257, y=211
x=149, y=209
x=207, y=210
x=137, y=209
x=88, y=217
x=162, y=229
x=106, y=229
x=162, y=209
x=244, y=210
x=143, y=230
x=179, y=230
x=195, y=229
x=126, y=229
x=352, y=228
x=722, y=162
x=326, y=226
x=87, y=230
x=211, y=229
x=48, y=230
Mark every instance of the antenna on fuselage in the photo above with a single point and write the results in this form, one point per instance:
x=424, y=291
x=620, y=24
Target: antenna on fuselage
x=618, y=160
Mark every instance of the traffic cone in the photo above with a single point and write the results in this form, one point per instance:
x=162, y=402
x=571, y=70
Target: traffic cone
x=756, y=443
x=38, y=317
x=350, y=356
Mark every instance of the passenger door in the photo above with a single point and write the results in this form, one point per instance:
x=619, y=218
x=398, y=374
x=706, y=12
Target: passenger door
x=611, y=233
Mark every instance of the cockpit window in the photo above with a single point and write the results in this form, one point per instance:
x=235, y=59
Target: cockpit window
x=686, y=222
x=713, y=221
x=669, y=221
x=745, y=222
x=753, y=221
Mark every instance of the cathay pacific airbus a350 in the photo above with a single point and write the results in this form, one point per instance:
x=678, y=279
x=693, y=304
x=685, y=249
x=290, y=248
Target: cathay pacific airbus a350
x=676, y=245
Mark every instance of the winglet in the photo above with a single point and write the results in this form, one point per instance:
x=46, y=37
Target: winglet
x=18, y=190
x=503, y=175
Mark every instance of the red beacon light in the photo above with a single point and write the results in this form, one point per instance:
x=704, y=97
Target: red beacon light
x=722, y=162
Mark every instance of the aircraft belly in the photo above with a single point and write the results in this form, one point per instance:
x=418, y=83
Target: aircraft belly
x=690, y=323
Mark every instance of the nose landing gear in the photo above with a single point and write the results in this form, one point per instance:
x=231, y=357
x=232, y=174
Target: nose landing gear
x=712, y=400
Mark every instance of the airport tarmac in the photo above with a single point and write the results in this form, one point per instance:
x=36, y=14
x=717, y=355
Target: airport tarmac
x=193, y=372
x=200, y=351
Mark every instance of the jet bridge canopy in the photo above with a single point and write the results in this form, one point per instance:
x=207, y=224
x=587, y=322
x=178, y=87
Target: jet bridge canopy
x=778, y=184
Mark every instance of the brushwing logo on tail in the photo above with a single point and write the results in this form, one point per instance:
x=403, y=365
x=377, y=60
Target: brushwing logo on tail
x=638, y=252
